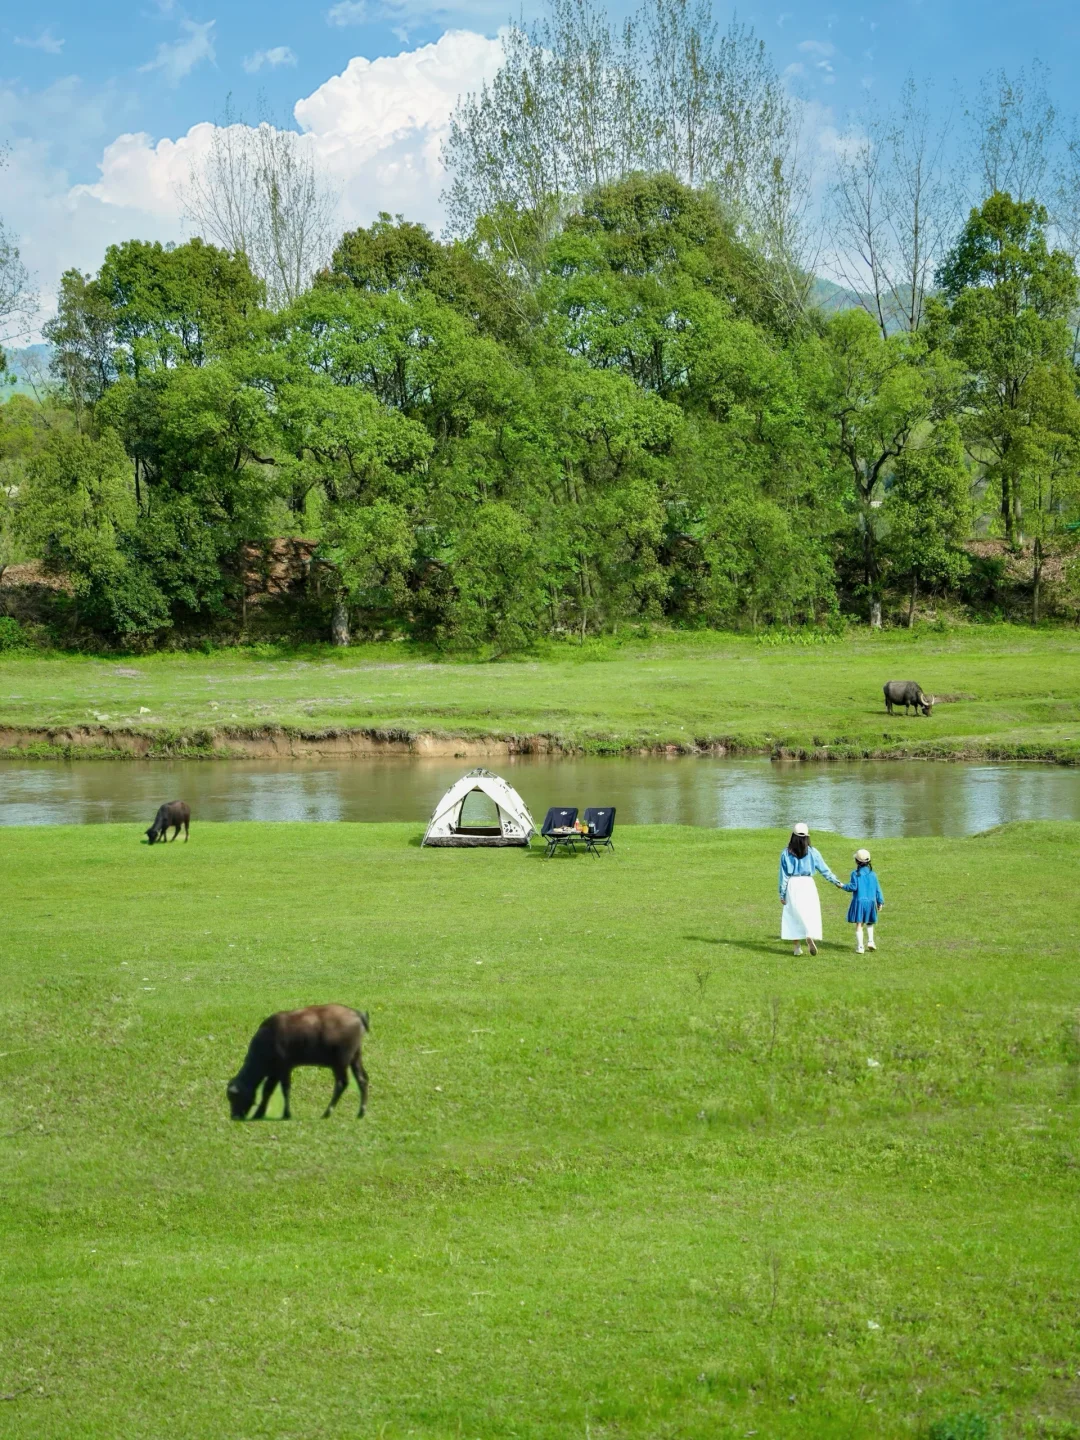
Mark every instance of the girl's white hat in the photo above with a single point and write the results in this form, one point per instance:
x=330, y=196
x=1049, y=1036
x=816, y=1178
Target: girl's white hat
x=862, y=856
x=801, y=828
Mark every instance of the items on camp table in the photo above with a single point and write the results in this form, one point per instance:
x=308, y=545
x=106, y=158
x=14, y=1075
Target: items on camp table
x=599, y=823
x=480, y=809
x=560, y=828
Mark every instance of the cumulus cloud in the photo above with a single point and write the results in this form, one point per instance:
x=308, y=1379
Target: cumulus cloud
x=46, y=40
x=279, y=55
x=377, y=129
x=179, y=58
x=347, y=12
x=817, y=47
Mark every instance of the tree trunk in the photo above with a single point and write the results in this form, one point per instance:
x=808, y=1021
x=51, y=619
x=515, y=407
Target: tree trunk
x=339, y=621
x=870, y=566
x=1037, y=579
x=1010, y=513
x=914, y=597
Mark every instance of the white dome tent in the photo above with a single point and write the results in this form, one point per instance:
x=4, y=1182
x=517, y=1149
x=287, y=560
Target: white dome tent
x=452, y=824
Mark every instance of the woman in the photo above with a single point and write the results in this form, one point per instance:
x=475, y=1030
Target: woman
x=801, y=918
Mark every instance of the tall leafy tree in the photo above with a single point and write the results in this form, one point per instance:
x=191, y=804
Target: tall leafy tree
x=1051, y=477
x=1007, y=302
x=879, y=391
x=928, y=515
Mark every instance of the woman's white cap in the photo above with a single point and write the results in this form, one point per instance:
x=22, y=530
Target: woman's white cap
x=863, y=856
x=801, y=828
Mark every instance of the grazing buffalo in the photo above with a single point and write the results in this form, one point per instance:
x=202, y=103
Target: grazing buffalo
x=329, y=1035
x=174, y=815
x=907, y=693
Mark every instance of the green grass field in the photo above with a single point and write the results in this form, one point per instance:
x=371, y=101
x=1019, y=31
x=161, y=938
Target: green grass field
x=629, y=1169
x=1016, y=692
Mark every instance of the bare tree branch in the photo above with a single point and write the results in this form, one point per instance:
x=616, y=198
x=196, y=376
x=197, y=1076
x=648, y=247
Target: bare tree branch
x=259, y=190
x=18, y=298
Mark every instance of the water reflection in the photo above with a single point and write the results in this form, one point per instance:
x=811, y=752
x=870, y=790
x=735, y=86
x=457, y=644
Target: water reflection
x=861, y=799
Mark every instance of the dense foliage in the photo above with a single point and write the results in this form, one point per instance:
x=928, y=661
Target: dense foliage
x=633, y=427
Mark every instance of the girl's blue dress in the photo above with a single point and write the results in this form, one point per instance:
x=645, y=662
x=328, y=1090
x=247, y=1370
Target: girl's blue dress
x=866, y=896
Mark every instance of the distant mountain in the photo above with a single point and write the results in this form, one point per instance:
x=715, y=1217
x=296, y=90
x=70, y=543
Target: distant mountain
x=832, y=298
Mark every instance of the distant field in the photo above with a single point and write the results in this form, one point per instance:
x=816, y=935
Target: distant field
x=1015, y=692
x=629, y=1169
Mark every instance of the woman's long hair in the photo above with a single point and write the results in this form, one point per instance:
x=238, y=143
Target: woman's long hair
x=799, y=845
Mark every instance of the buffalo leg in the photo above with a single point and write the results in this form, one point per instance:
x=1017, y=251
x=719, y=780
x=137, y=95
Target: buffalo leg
x=285, y=1083
x=187, y=833
x=268, y=1090
x=341, y=1081
x=361, y=1080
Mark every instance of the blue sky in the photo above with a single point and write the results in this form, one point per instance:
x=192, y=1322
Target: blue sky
x=76, y=75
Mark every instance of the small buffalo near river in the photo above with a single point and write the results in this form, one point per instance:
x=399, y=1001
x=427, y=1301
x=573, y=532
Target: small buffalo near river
x=328, y=1035
x=907, y=693
x=176, y=815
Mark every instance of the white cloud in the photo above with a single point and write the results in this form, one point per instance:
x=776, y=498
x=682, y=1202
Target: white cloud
x=181, y=56
x=817, y=47
x=377, y=129
x=347, y=12
x=47, y=41
x=279, y=55
x=793, y=70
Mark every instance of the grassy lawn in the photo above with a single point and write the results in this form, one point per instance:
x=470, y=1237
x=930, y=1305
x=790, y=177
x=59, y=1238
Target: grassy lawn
x=1016, y=692
x=629, y=1169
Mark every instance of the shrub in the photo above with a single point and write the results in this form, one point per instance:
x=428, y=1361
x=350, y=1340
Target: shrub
x=965, y=1425
x=12, y=635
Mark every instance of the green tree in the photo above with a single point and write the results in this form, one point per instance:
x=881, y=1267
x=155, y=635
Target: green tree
x=878, y=393
x=1050, y=478
x=77, y=512
x=928, y=515
x=199, y=437
x=1007, y=300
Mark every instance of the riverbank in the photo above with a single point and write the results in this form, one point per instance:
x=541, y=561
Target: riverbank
x=627, y=1165
x=99, y=742
x=1004, y=693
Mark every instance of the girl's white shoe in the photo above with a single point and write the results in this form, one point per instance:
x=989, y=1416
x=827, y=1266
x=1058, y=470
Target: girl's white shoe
x=797, y=950
x=859, y=949
x=871, y=946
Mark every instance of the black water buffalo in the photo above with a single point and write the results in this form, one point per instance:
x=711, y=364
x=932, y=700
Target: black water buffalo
x=329, y=1035
x=174, y=815
x=907, y=693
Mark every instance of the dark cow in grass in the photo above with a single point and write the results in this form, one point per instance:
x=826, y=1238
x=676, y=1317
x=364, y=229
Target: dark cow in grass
x=174, y=816
x=907, y=693
x=327, y=1035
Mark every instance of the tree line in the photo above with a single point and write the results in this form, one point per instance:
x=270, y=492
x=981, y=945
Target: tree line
x=609, y=396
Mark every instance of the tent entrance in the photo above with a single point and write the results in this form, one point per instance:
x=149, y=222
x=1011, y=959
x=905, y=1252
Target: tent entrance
x=479, y=815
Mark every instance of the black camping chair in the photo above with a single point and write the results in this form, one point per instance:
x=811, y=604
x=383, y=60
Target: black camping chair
x=601, y=821
x=559, y=817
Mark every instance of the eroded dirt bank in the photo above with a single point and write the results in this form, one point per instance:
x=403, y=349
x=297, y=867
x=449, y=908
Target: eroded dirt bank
x=282, y=742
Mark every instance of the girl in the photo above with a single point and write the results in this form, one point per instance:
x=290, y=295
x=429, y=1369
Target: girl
x=801, y=916
x=866, y=900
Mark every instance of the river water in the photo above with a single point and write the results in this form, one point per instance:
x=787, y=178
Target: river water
x=863, y=798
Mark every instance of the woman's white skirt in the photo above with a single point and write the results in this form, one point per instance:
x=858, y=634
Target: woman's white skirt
x=801, y=916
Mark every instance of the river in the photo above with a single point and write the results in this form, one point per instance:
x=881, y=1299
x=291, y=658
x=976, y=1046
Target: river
x=866, y=799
